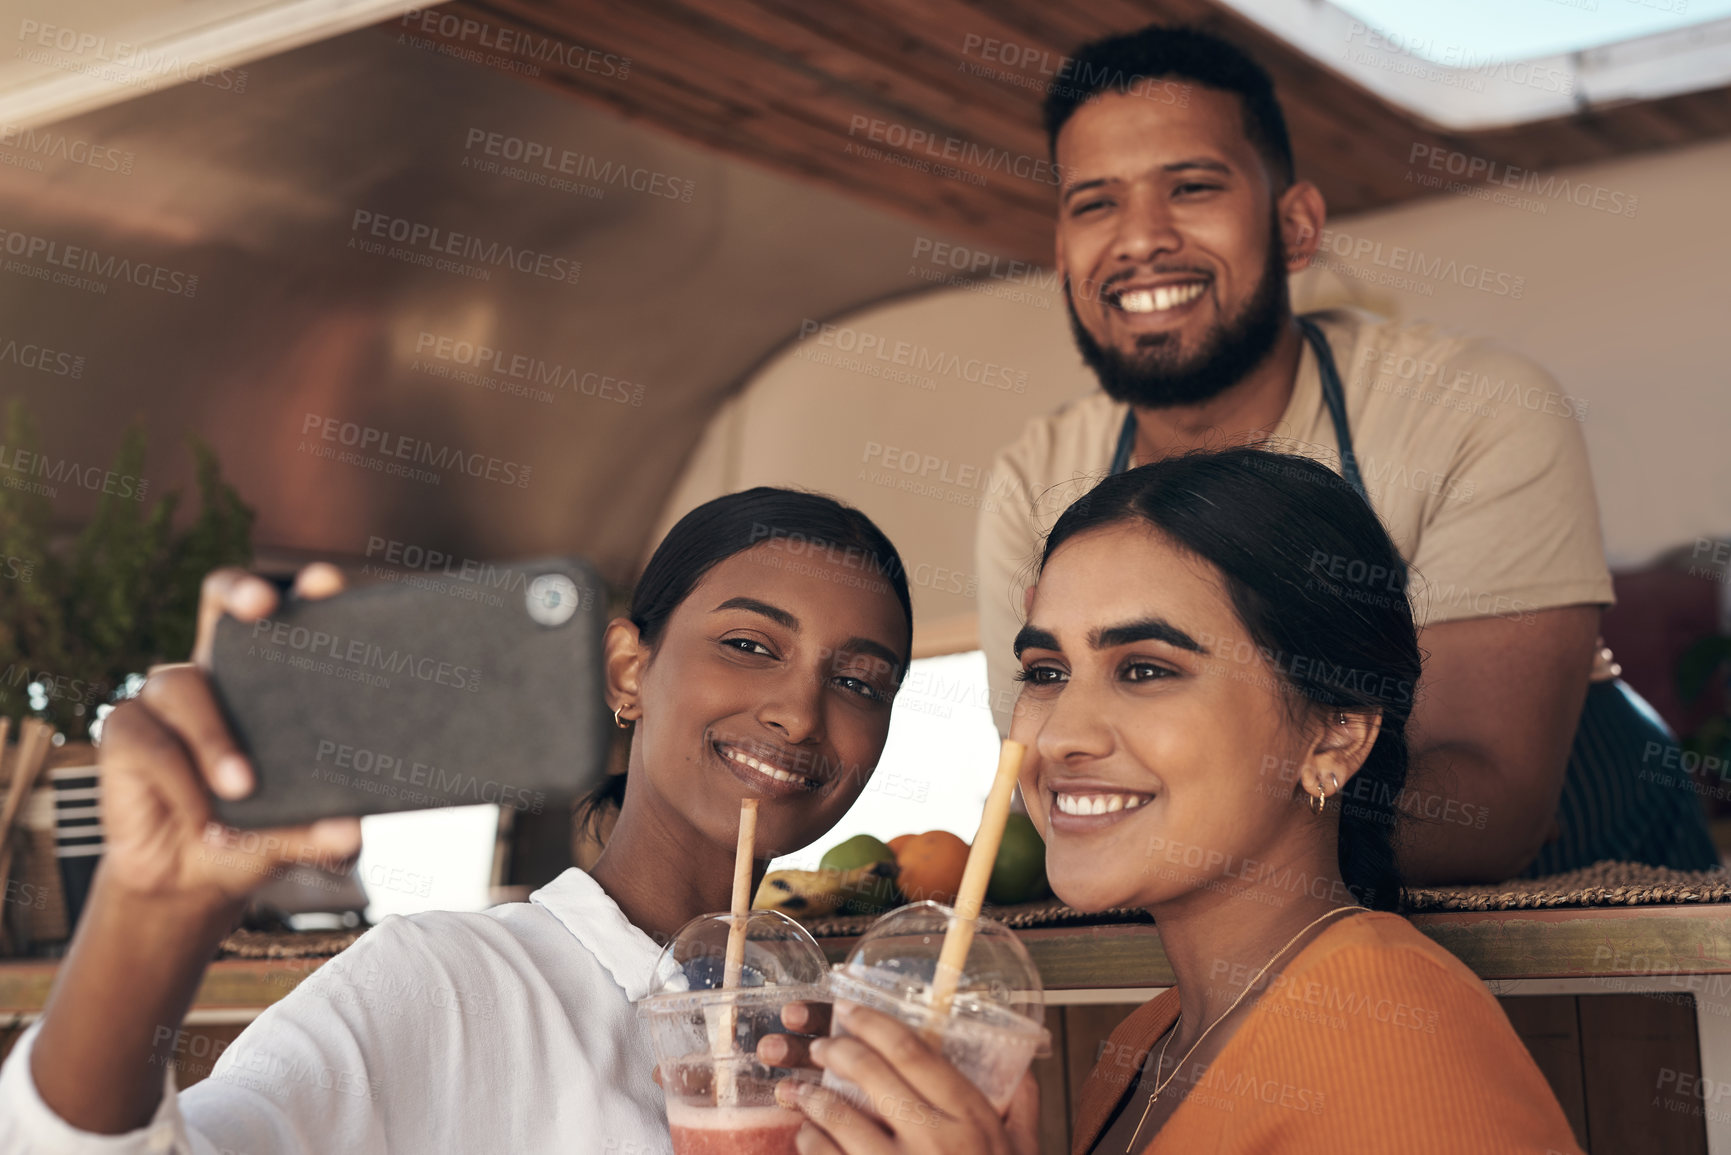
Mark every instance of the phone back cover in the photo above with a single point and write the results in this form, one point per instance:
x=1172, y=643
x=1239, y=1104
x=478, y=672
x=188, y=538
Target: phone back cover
x=435, y=690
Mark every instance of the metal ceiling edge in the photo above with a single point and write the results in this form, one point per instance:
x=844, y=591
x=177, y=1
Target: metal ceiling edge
x=249, y=36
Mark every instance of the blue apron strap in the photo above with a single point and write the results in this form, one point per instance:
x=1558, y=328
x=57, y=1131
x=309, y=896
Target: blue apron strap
x=1332, y=393
x=1335, y=397
x=1126, y=441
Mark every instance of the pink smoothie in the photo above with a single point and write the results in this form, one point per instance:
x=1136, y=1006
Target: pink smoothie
x=732, y=1130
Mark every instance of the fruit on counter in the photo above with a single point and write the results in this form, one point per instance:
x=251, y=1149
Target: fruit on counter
x=896, y=844
x=806, y=894
x=870, y=895
x=1019, y=874
x=860, y=850
x=931, y=866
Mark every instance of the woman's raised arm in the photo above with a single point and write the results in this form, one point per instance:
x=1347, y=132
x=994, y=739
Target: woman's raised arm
x=172, y=881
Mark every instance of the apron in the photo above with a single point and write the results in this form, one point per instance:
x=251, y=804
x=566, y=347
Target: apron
x=1625, y=796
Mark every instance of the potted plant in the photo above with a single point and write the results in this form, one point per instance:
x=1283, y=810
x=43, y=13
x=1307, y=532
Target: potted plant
x=82, y=618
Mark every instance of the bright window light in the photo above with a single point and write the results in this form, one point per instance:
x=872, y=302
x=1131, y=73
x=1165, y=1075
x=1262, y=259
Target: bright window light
x=1480, y=64
x=1496, y=30
x=428, y=859
x=937, y=766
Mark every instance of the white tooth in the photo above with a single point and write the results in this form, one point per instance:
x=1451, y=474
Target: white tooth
x=1114, y=804
x=1096, y=805
x=1162, y=299
x=1140, y=301
x=1132, y=803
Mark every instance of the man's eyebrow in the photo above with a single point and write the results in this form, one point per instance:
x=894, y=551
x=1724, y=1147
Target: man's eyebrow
x=1146, y=630
x=1203, y=162
x=774, y=613
x=1030, y=638
x=1084, y=186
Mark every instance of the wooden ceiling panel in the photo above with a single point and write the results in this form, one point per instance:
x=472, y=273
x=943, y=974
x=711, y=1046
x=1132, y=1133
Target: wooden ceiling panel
x=784, y=84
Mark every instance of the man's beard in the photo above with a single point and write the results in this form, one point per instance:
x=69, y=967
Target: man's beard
x=1157, y=375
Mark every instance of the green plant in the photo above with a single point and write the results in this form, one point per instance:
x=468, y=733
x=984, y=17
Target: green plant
x=77, y=618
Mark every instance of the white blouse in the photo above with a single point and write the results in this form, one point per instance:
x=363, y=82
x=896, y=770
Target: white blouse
x=506, y=1031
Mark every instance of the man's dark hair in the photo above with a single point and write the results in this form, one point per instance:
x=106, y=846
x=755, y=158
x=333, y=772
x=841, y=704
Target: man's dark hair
x=1126, y=63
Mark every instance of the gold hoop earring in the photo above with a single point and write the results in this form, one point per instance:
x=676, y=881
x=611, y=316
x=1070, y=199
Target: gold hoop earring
x=616, y=719
x=1319, y=801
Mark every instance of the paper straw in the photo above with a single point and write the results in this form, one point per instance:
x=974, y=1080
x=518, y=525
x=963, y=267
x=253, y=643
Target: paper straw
x=975, y=877
x=726, y=1086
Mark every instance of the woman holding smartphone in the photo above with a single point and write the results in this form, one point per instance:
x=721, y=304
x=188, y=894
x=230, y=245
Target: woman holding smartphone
x=762, y=652
x=1216, y=728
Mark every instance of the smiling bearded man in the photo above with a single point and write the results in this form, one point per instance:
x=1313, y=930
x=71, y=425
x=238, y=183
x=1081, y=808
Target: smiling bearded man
x=1180, y=217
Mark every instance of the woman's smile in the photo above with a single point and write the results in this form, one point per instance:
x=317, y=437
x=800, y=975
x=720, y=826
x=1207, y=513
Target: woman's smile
x=766, y=771
x=1082, y=808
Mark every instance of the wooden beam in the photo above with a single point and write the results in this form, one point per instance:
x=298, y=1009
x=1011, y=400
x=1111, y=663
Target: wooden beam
x=787, y=85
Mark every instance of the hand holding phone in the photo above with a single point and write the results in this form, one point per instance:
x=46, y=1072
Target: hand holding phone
x=432, y=690
x=165, y=753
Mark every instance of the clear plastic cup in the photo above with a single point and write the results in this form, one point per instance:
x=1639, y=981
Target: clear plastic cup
x=995, y=1024
x=720, y=1097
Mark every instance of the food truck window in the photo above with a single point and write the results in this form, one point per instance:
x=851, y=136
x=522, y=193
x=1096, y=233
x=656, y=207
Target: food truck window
x=427, y=859
x=937, y=765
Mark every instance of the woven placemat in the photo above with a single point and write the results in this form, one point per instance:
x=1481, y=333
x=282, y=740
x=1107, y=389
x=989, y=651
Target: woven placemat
x=259, y=944
x=1602, y=884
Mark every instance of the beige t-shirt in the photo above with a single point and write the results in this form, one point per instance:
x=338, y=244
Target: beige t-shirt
x=1472, y=455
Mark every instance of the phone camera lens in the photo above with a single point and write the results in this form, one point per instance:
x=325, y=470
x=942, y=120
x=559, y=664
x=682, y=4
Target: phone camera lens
x=552, y=599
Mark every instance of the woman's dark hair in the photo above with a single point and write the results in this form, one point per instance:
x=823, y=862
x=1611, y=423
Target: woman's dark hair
x=1321, y=590
x=824, y=530
x=1125, y=63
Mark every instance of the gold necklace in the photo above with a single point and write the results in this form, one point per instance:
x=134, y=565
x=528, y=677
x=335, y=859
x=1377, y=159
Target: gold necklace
x=1161, y=1084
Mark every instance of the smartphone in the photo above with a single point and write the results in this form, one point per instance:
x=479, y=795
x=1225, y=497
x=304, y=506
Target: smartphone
x=448, y=689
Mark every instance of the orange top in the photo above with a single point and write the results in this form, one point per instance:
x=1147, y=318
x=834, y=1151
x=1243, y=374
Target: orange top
x=1372, y=1039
